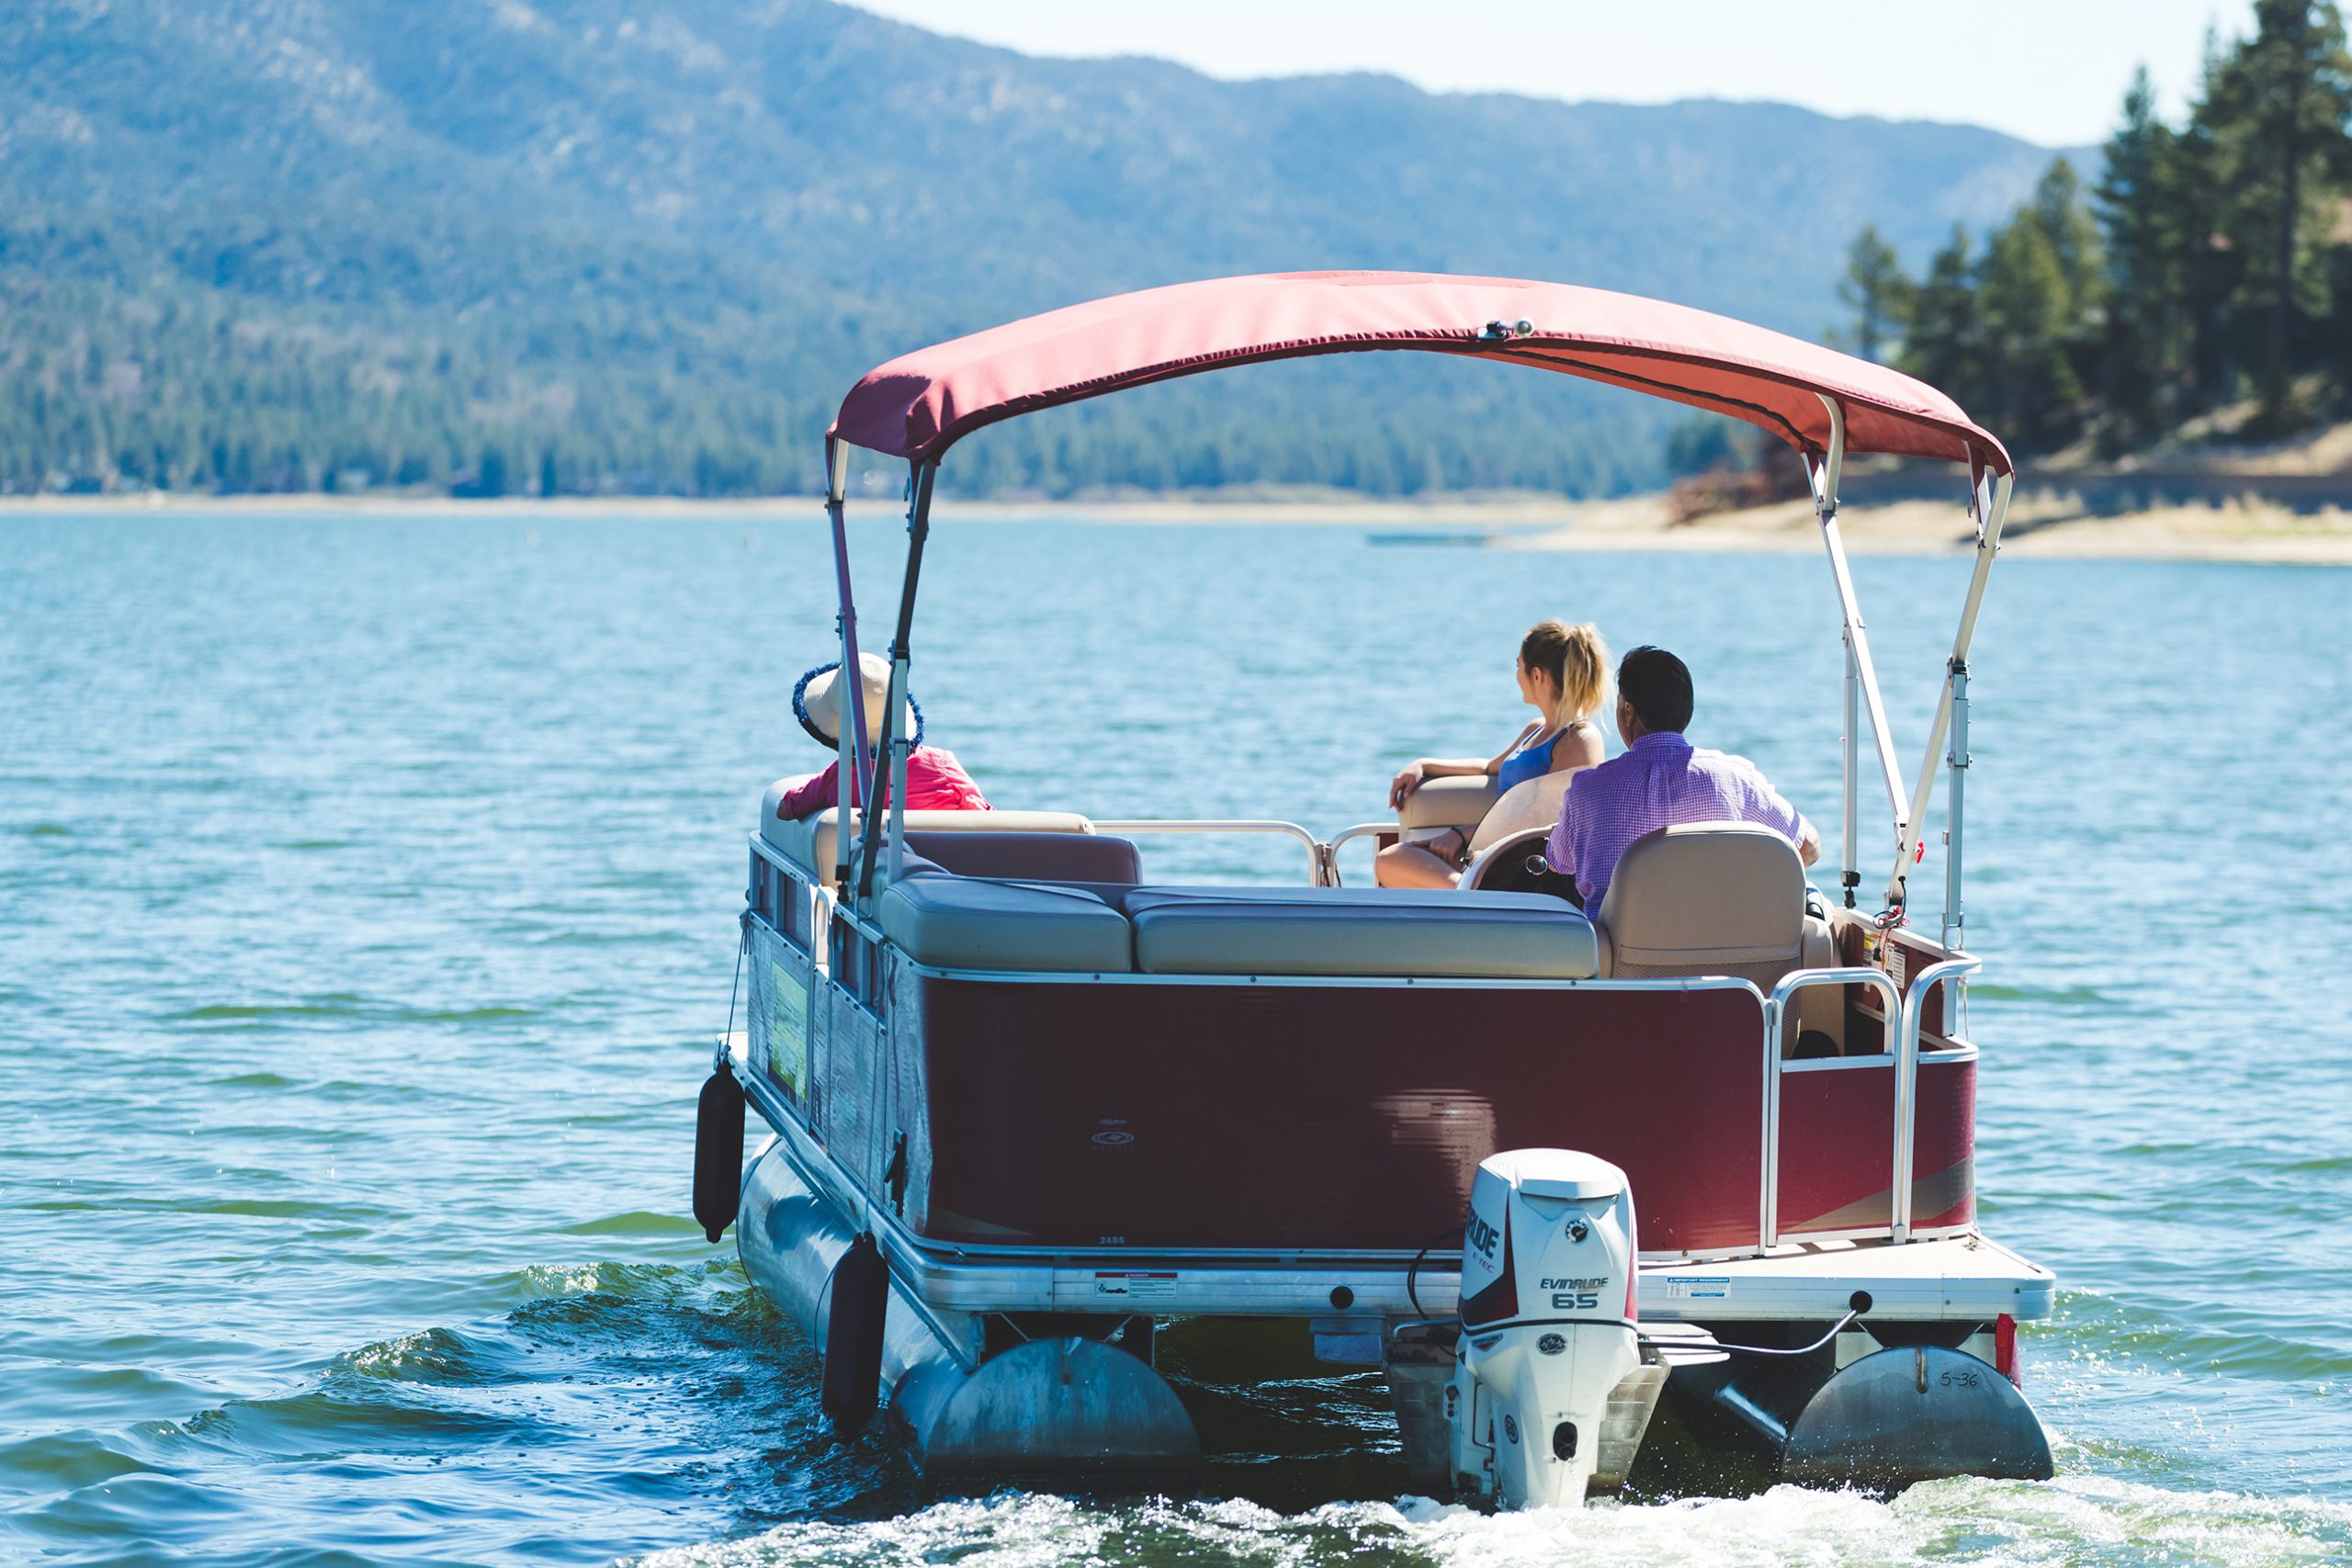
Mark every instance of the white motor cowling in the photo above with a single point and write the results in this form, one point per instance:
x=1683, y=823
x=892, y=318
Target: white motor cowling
x=1548, y=1325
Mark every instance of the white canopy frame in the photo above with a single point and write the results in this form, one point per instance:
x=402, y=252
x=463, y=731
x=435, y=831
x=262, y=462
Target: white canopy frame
x=1988, y=500
x=1822, y=472
x=1988, y=506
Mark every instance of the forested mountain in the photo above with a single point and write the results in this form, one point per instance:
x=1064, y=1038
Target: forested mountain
x=645, y=244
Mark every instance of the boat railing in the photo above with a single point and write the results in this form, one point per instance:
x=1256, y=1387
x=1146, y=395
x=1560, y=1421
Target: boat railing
x=1318, y=854
x=1776, y=1010
x=1907, y=1081
x=1907, y=1006
x=1373, y=830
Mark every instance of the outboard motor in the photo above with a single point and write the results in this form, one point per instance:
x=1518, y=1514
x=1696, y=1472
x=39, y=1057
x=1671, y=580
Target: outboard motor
x=1547, y=1326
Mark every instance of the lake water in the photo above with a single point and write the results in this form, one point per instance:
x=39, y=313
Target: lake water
x=367, y=896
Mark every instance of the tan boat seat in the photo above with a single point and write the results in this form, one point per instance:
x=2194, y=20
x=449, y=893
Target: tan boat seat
x=954, y=922
x=1705, y=898
x=1358, y=932
x=1473, y=804
x=809, y=843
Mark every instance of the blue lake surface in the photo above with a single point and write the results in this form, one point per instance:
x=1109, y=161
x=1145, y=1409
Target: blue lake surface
x=368, y=898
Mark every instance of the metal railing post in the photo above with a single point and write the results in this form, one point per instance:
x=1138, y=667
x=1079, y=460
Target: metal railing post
x=1906, y=1086
x=1768, y=1191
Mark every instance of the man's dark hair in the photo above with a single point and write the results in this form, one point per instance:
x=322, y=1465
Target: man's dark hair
x=1658, y=685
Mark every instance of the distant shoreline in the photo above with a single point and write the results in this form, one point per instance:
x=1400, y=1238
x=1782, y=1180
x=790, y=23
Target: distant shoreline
x=2040, y=526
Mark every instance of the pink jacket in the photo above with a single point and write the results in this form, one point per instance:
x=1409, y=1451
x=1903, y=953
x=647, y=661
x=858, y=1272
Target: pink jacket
x=936, y=782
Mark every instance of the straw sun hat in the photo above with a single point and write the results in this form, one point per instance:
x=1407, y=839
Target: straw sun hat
x=816, y=702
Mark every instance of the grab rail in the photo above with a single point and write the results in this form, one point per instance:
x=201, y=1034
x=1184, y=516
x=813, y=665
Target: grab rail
x=1768, y=1218
x=1906, y=1082
x=1349, y=835
x=1318, y=854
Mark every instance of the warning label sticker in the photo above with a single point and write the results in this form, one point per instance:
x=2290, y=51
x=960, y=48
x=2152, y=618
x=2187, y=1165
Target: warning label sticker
x=1697, y=1287
x=1136, y=1285
x=789, y=1029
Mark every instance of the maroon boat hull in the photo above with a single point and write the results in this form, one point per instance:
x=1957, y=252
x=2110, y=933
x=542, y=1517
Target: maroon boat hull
x=1332, y=1119
x=1051, y=1114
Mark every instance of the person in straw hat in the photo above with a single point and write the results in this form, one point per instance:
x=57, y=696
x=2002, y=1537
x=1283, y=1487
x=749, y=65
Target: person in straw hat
x=935, y=781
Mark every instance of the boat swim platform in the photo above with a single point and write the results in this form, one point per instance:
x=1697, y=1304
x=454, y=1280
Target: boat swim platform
x=1949, y=1279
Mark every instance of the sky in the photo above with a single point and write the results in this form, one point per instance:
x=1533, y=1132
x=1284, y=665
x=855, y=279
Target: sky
x=2052, y=72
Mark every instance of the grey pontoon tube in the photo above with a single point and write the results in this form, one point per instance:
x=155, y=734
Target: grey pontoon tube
x=1989, y=501
x=1823, y=476
x=894, y=747
x=849, y=739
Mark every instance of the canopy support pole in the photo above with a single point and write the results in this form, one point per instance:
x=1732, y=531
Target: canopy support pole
x=896, y=746
x=849, y=739
x=1852, y=877
x=1988, y=502
x=1954, y=939
x=1823, y=474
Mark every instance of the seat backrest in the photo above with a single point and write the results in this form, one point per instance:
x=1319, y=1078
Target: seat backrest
x=809, y=842
x=1705, y=898
x=1531, y=803
x=1038, y=857
x=1392, y=931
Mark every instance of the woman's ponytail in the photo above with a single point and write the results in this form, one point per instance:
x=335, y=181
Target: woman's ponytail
x=1578, y=661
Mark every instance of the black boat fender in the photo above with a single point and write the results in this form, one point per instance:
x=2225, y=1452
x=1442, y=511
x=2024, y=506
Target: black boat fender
x=853, y=1324
x=718, y=1152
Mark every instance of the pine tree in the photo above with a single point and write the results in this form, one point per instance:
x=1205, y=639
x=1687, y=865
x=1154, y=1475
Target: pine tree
x=2143, y=206
x=1878, y=293
x=2037, y=300
x=2276, y=107
x=1941, y=346
x=490, y=476
x=2058, y=214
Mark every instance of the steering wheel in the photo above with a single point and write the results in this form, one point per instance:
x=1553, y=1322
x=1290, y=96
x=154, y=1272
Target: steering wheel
x=1516, y=864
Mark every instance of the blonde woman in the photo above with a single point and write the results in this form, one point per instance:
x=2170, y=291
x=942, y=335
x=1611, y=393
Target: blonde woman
x=1562, y=675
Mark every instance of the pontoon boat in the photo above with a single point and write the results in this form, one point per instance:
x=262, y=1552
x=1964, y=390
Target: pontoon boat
x=1712, y=1141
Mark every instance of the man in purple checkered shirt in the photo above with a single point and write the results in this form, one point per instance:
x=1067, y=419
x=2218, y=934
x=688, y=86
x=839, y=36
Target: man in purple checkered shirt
x=1659, y=781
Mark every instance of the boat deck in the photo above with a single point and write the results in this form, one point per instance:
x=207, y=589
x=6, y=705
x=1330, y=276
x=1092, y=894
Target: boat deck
x=1951, y=1278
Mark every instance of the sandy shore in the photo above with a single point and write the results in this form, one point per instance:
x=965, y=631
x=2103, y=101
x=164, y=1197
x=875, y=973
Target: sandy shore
x=2040, y=525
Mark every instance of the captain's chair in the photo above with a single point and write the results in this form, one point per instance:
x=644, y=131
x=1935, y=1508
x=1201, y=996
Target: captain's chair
x=1708, y=898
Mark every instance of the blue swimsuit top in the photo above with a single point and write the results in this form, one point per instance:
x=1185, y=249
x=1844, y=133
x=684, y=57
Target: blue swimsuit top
x=1529, y=761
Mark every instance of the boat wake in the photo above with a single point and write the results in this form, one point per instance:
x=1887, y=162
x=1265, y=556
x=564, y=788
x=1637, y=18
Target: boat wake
x=2072, y=1520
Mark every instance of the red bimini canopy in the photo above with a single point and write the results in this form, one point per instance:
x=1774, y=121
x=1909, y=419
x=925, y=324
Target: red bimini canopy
x=920, y=404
